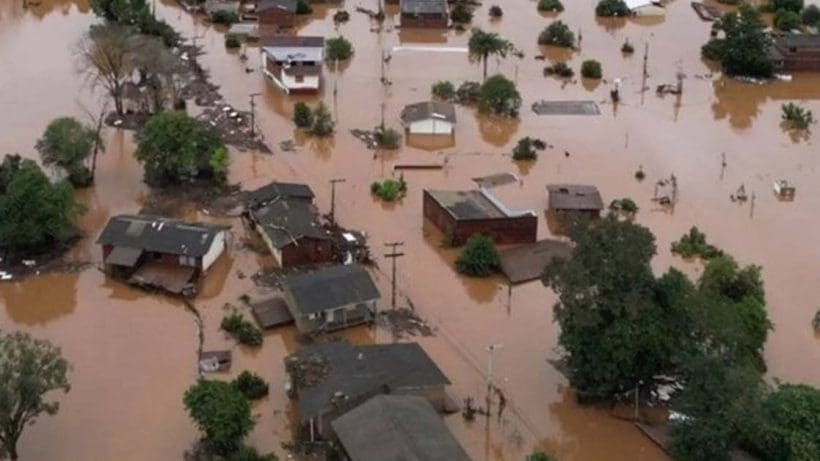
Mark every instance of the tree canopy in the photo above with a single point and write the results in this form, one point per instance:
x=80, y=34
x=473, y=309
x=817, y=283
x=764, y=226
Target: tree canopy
x=499, y=96
x=67, y=144
x=174, y=147
x=221, y=412
x=479, y=258
x=557, y=34
x=338, y=49
x=745, y=48
x=29, y=369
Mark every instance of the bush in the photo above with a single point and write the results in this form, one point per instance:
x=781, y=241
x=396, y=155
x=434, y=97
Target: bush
x=468, y=93
x=557, y=34
x=788, y=5
x=550, y=5
x=811, y=15
x=67, y=144
x=539, y=456
x=560, y=69
x=303, y=7
x=461, y=13
x=242, y=330
x=224, y=17
x=496, y=11
x=302, y=116
x=591, y=69
x=626, y=206
x=251, y=385
x=221, y=413
x=524, y=150
x=499, y=97
x=714, y=49
x=232, y=41
x=389, y=190
x=694, y=244
x=786, y=20
x=798, y=117
x=341, y=17
x=610, y=8
x=387, y=138
x=246, y=453
x=444, y=90
x=479, y=258
x=338, y=49
x=219, y=165
x=627, y=47
x=323, y=125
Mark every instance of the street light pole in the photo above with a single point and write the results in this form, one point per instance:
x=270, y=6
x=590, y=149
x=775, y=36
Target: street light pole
x=490, y=349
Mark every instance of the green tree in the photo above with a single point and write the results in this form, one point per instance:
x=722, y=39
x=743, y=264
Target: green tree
x=482, y=45
x=479, y=258
x=539, y=456
x=444, y=90
x=252, y=386
x=35, y=215
x=798, y=118
x=609, y=8
x=67, y=144
x=221, y=413
x=811, y=15
x=591, y=69
x=789, y=5
x=303, y=7
x=29, y=369
x=789, y=426
x=174, y=147
x=123, y=11
x=557, y=34
x=524, y=150
x=302, y=116
x=550, y=5
x=219, y=162
x=786, y=20
x=338, y=49
x=461, y=12
x=745, y=49
x=499, y=96
x=323, y=125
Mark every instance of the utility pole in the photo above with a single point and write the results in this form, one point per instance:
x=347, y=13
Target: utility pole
x=253, y=113
x=333, y=198
x=394, y=255
x=645, y=71
x=490, y=349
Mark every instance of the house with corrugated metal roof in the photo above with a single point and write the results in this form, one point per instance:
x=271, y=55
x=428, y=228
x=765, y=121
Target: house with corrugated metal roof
x=294, y=63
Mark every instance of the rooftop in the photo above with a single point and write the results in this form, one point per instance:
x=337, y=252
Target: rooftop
x=424, y=7
x=353, y=371
x=797, y=41
x=286, y=5
x=397, y=428
x=329, y=288
x=287, y=221
x=160, y=235
x=429, y=110
x=293, y=48
x=527, y=262
x=574, y=197
x=474, y=204
x=276, y=190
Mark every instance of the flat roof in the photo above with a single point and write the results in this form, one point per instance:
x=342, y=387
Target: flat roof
x=466, y=204
x=574, y=197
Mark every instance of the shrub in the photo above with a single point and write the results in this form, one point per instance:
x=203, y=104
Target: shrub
x=251, y=385
x=694, y=244
x=303, y=7
x=221, y=413
x=786, y=20
x=219, y=165
x=550, y=5
x=788, y=5
x=479, y=258
x=610, y=8
x=539, y=456
x=499, y=97
x=714, y=49
x=246, y=453
x=444, y=90
x=242, y=330
x=591, y=69
x=302, y=116
x=389, y=190
x=224, y=17
x=468, y=93
x=798, y=117
x=387, y=138
x=557, y=34
x=341, y=17
x=524, y=150
x=496, y=11
x=811, y=15
x=338, y=49
x=232, y=41
x=627, y=47
x=461, y=13
x=323, y=125
x=67, y=144
x=624, y=205
x=560, y=69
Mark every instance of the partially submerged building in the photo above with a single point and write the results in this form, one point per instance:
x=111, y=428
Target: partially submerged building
x=274, y=14
x=575, y=201
x=646, y=7
x=429, y=117
x=292, y=231
x=331, y=298
x=796, y=53
x=396, y=428
x=430, y=14
x=294, y=63
x=159, y=252
x=460, y=214
x=277, y=191
x=329, y=379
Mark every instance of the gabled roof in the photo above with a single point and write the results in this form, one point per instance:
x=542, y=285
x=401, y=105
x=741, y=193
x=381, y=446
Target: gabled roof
x=429, y=110
x=353, y=371
x=160, y=235
x=329, y=288
x=424, y=7
x=574, y=197
x=285, y=5
x=276, y=190
x=295, y=48
x=286, y=221
x=397, y=428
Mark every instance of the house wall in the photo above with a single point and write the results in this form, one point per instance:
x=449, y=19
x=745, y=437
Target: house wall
x=431, y=126
x=216, y=249
x=802, y=61
x=307, y=251
x=649, y=10
x=309, y=83
x=424, y=21
x=343, y=317
x=275, y=17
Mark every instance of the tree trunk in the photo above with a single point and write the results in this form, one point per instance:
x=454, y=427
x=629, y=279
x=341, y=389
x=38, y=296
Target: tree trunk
x=12, y=449
x=485, y=66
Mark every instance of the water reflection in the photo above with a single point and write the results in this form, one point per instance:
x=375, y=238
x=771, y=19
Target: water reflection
x=497, y=131
x=26, y=304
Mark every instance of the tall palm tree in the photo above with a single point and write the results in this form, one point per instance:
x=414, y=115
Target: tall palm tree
x=483, y=44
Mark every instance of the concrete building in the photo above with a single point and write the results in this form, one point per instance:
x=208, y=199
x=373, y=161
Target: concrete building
x=294, y=63
x=575, y=200
x=433, y=118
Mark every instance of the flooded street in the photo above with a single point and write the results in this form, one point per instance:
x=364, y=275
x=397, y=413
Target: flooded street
x=134, y=354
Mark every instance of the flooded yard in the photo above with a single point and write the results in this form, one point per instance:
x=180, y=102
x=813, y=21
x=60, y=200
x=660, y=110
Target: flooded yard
x=134, y=354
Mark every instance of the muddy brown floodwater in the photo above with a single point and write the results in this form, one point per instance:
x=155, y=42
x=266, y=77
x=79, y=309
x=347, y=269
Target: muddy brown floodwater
x=134, y=354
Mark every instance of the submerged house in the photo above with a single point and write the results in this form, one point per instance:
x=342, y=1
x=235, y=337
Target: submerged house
x=646, y=7
x=273, y=14
x=396, y=428
x=796, y=53
x=292, y=232
x=330, y=299
x=575, y=201
x=276, y=191
x=430, y=14
x=460, y=214
x=329, y=379
x=161, y=253
x=435, y=118
x=294, y=63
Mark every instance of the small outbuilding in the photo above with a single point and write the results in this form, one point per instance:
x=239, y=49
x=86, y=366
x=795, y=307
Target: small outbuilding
x=275, y=13
x=460, y=214
x=294, y=63
x=292, y=231
x=428, y=14
x=332, y=298
x=646, y=7
x=796, y=53
x=575, y=200
x=396, y=428
x=431, y=117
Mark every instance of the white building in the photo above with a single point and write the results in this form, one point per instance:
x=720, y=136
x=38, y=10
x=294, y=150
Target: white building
x=646, y=7
x=294, y=63
x=436, y=118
